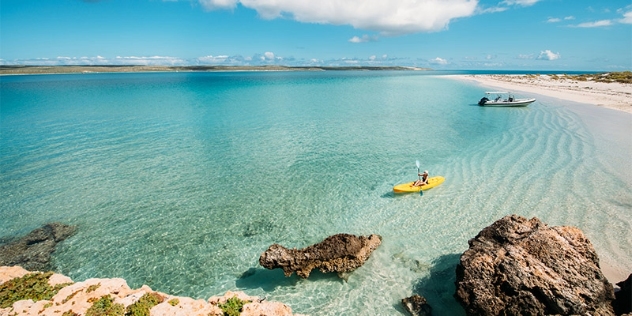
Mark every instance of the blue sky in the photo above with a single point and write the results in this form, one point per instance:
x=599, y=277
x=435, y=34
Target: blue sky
x=440, y=34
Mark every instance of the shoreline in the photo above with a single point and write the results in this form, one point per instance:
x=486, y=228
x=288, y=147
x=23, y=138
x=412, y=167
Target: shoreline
x=613, y=95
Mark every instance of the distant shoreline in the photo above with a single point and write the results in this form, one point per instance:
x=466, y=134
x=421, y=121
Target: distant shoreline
x=34, y=70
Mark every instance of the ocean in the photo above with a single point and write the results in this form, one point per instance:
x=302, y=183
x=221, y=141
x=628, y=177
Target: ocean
x=181, y=180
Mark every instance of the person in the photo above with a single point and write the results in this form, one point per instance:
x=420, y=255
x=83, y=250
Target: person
x=423, y=180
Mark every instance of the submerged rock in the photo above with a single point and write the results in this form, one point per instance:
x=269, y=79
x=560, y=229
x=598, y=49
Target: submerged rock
x=33, y=251
x=338, y=253
x=518, y=266
x=417, y=305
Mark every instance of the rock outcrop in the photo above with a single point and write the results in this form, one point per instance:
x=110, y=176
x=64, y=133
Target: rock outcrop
x=518, y=266
x=33, y=251
x=78, y=298
x=338, y=253
x=623, y=303
x=417, y=305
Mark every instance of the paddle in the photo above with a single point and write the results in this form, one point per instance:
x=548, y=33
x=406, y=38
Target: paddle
x=421, y=192
x=418, y=170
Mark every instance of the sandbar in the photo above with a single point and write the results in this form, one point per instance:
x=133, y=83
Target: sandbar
x=613, y=95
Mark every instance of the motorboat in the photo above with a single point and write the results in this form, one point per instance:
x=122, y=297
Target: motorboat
x=503, y=99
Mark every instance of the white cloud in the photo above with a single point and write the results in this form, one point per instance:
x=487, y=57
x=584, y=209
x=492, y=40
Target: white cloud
x=218, y=4
x=365, y=38
x=438, y=61
x=210, y=59
x=601, y=23
x=525, y=56
x=148, y=60
x=627, y=18
x=524, y=3
x=389, y=17
x=491, y=10
x=548, y=55
x=268, y=55
x=555, y=20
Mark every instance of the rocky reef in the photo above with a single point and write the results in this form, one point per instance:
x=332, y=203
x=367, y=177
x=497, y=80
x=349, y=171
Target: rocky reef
x=338, y=253
x=33, y=251
x=520, y=266
x=35, y=293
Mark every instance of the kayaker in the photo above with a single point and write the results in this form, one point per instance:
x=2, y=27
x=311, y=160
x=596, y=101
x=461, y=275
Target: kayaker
x=423, y=180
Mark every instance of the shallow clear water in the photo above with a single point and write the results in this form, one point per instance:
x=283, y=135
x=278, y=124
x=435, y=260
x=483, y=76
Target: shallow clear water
x=181, y=180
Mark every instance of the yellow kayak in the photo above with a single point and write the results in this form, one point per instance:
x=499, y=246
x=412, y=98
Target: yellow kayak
x=408, y=187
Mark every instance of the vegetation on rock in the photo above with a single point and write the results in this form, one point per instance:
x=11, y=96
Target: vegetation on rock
x=93, y=287
x=105, y=306
x=144, y=305
x=32, y=286
x=233, y=306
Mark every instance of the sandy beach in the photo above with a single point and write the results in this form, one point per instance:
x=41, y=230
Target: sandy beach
x=613, y=95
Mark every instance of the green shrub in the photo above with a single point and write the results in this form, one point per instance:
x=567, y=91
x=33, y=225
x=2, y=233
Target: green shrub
x=233, y=306
x=69, y=297
x=105, y=307
x=32, y=286
x=174, y=302
x=93, y=287
x=144, y=304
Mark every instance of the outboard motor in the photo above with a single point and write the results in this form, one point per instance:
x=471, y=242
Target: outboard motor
x=483, y=101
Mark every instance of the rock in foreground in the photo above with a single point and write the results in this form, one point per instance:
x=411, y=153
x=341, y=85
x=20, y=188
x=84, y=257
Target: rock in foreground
x=338, y=253
x=518, y=266
x=623, y=303
x=33, y=251
x=114, y=297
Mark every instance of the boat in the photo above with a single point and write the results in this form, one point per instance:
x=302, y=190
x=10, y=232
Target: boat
x=506, y=99
x=408, y=187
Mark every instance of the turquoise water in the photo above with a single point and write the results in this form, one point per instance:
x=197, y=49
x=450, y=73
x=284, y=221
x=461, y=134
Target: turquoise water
x=181, y=180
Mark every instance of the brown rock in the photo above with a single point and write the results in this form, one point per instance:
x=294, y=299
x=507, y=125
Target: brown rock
x=523, y=267
x=417, y=305
x=338, y=253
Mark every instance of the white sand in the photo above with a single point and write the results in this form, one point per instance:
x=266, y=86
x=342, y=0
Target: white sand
x=613, y=95
x=617, y=96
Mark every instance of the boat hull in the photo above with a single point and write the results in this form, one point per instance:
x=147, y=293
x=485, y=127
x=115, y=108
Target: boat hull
x=409, y=188
x=516, y=103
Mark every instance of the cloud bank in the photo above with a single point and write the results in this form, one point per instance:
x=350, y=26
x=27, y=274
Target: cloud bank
x=388, y=17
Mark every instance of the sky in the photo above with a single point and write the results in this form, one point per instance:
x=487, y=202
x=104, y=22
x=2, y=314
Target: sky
x=573, y=35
